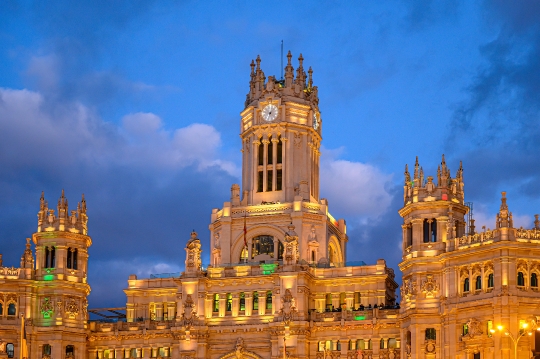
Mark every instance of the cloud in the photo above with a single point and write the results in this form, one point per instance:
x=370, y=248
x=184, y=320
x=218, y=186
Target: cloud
x=359, y=190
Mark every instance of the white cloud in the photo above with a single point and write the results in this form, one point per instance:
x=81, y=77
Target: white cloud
x=358, y=189
x=37, y=133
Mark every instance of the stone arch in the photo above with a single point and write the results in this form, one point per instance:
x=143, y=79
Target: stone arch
x=270, y=230
x=333, y=244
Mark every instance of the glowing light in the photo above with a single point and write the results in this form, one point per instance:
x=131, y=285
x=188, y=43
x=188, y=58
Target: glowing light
x=48, y=277
x=500, y=327
x=268, y=268
x=359, y=317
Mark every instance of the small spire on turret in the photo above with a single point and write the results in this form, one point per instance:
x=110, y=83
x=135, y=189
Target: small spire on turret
x=310, y=80
x=416, y=165
x=407, y=175
x=83, y=204
x=504, y=218
x=439, y=182
x=421, y=176
x=536, y=222
x=258, y=62
x=252, y=65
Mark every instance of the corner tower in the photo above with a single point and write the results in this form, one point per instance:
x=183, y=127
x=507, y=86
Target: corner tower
x=280, y=130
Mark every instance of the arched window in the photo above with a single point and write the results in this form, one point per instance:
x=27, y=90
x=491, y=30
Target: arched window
x=490, y=280
x=216, y=303
x=69, y=255
x=262, y=245
x=12, y=310
x=534, y=280
x=269, y=300
x=381, y=344
x=1, y=309
x=229, y=302
x=70, y=351
x=242, y=301
x=426, y=231
x=261, y=154
x=313, y=260
x=53, y=257
x=466, y=286
x=75, y=252
x=255, y=301
x=279, y=151
x=47, y=258
x=478, y=284
x=520, y=279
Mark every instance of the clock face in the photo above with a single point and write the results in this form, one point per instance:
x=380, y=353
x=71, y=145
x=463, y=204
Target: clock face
x=270, y=113
x=315, y=121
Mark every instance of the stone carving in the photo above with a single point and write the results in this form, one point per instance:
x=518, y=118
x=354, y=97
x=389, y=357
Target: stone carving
x=474, y=328
x=2, y=347
x=288, y=309
x=297, y=140
x=408, y=289
x=72, y=307
x=189, y=315
x=291, y=246
x=193, y=251
x=47, y=307
x=85, y=308
x=429, y=286
x=430, y=346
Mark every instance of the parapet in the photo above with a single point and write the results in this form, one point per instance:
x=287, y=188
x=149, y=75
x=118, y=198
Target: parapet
x=75, y=221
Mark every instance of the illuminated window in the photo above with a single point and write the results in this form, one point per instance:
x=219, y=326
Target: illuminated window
x=242, y=301
x=338, y=346
x=229, y=302
x=431, y=334
x=255, y=300
x=381, y=344
x=329, y=301
x=490, y=280
x=489, y=328
x=465, y=329
x=11, y=309
x=360, y=344
x=269, y=300
x=342, y=299
x=262, y=245
x=357, y=301
x=392, y=343
x=328, y=345
x=280, y=250
x=216, y=303
x=466, y=286
x=534, y=280
x=321, y=346
x=478, y=284
x=520, y=279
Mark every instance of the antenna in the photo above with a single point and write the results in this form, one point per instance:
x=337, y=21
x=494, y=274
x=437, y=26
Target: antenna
x=281, y=59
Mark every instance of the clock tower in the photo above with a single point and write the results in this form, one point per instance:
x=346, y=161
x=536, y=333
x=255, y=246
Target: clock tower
x=280, y=129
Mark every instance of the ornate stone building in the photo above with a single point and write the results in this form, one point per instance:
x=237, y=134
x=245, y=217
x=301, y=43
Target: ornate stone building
x=279, y=284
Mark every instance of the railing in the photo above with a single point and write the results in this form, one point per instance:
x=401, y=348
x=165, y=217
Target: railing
x=480, y=238
x=522, y=233
x=165, y=275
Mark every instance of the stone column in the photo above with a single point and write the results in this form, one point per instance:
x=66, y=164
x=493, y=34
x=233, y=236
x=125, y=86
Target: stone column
x=274, y=162
x=262, y=303
x=265, y=162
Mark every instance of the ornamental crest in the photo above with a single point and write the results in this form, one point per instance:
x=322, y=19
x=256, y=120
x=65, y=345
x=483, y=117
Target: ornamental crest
x=474, y=328
x=408, y=289
x=47, y=307
x=288, y=309
x=189, y=314
x=72, y=308
x=429, y=286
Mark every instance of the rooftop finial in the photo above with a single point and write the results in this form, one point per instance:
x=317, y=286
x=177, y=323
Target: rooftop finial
x=258, y=62
x=252, y=65
x=416, y=165
x=310, y=81
x=407, y=175
x=536, y=222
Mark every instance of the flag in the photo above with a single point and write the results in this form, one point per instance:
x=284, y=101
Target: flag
x=245, y=230
x=24, y=346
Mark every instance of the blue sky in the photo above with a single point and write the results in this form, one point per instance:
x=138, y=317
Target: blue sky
x=137, y=105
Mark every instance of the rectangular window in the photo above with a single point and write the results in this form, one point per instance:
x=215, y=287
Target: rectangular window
x=465, y=329
x=476, y=356
x=261, y=155
x=242, y=301
x=229, y=302
x=255, y=301
x=260, y=182
x=269, y=180
x=270, y=152
x=489, y=328
x=216, y=303
x=279, y=180
x=430, y=334
x=280, y=151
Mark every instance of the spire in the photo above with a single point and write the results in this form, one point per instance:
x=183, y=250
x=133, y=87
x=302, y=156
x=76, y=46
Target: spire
x=310, y=81
x=416, y=165
x=258, y=63
x=289, y=69
x=439, y=182
x=536, y=222
x=300, y=73
x=27, y=259
x=421, y=177
x=504, y=218
x=252, y=68
x=407, y=175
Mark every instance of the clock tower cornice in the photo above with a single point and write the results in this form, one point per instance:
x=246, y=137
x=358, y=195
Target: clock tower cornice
x=279, y=129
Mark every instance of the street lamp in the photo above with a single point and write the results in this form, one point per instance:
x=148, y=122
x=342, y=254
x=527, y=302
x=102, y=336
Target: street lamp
x=524, y=330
